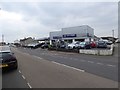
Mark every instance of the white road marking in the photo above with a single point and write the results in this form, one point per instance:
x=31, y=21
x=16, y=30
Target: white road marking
x=29, y=85
x=100, y=63
x=90, y=61
x=19, y=71
x=110, y=65
x=68, y=66
x=23, y=77
x=36, y=57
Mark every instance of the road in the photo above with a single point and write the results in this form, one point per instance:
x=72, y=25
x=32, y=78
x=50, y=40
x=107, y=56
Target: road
x=105, y=66
x=50, y=69
x=13, y=79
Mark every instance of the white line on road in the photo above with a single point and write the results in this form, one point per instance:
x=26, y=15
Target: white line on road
x=110, y=65
x=29, y=85
x=23, y=77
x=100, y=63
x=19, y=71
x=90, y=61
x=68, y=66
x=37, y=57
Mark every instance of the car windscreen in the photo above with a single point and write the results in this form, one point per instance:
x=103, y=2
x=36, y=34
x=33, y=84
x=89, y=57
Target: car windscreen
x=101, y=42
x=82, y=43
x=4, y=54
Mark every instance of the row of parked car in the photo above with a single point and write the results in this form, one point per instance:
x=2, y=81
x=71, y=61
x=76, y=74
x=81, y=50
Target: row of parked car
x=37, y=45
x=74, y=45
x=86, y=45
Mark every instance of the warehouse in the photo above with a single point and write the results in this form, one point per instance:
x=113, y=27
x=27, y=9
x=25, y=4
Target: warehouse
x=71, y=34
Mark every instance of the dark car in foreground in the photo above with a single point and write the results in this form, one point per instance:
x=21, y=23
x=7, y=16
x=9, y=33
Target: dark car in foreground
x=7, y=60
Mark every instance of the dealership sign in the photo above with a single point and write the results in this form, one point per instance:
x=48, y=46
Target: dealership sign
x=69, y=35
x=57, y=37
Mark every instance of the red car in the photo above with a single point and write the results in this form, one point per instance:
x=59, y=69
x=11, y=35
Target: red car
x=93, y=44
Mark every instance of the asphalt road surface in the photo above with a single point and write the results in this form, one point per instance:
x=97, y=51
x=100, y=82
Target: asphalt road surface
x=50, y=69
x=13, y=79
x=104, y=66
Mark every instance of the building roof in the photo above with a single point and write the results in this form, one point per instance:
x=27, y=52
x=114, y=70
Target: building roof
x=25, y=39
x=78, y=26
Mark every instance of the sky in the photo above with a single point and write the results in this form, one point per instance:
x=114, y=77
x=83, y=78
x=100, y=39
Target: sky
x=37, y=19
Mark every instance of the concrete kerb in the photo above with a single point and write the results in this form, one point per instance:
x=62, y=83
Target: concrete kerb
x=98, y=52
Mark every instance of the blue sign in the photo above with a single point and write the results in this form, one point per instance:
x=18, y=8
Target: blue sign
x=69, y=35
x=57, y=37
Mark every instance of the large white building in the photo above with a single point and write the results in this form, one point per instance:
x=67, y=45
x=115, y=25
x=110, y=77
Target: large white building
x=71, y=34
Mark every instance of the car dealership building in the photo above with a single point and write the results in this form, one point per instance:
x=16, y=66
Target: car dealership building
x=71, y=34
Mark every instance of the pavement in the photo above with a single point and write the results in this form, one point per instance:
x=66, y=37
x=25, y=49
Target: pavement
x=50, y=69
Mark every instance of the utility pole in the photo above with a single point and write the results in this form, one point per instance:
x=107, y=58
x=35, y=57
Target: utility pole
x=113, y=34
x=2, y=39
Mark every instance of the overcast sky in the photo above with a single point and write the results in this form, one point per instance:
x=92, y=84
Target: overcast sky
x=24, y=19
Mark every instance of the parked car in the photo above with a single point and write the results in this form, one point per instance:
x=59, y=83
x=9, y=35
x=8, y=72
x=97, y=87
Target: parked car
x=63, y=46
x=101, y=44
x=44, y=46
x=73, y=45
x=108, y=42
x=93, y=44
x=85, y=45
x=34, y=45
x=7, y=58
x=117, y=41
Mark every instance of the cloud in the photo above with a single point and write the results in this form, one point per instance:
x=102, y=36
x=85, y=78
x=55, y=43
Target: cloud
x=35, y=19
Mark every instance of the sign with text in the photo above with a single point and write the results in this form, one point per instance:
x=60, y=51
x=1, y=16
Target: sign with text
x=57, y=37
x=69, y=35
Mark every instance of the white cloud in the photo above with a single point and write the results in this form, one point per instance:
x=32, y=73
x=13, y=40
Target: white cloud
x=18, y=20
x=59, y=1
x=4, y=15
x=13, y=26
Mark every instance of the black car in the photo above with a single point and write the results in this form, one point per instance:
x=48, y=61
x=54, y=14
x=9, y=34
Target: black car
x=44, y=46
x=101, y=44
x=8, y=60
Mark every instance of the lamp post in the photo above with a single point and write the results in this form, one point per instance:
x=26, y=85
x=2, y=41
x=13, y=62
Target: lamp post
x=113, y=35
x=2, y=39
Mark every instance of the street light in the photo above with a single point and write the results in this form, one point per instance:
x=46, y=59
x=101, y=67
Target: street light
x=113, y=35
